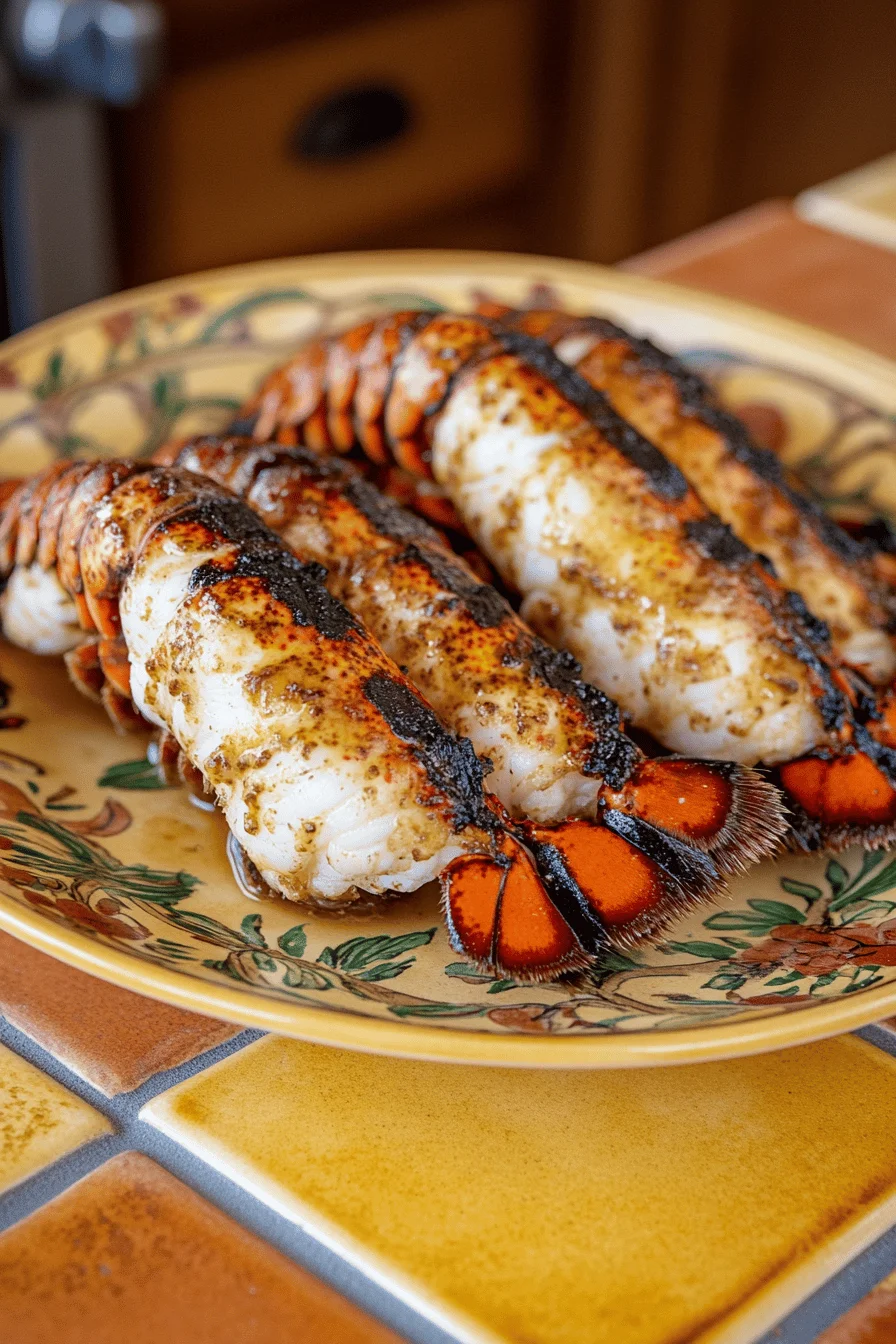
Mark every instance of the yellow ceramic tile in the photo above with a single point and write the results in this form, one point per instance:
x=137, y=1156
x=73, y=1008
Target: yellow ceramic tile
x=565, y=1208
x=39, y=1120
x=861, y=203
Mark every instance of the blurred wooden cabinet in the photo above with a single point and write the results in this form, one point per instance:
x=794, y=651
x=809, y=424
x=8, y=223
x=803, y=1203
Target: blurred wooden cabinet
x=224, y=164
x=591, y=128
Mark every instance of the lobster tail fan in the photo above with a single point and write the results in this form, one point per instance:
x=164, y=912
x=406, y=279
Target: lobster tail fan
x=501, y=915
x=630, y=875
x=839, y=800
x=553, y=898
x=731, y=812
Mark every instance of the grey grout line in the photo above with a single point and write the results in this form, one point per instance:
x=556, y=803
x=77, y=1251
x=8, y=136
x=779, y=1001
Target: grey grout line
x=856, y=1279
x=802, y=1326
x=37, y=1190
x=121, y=1110
x=883, y=1037
x=124, y=1105
x=286, y=1236
x=842, y=1291
x=231, y=1199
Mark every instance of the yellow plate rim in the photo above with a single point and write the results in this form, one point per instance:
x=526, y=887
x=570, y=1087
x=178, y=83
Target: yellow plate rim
x=322, y=1026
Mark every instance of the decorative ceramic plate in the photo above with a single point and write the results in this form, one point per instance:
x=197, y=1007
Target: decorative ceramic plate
x=105, y=869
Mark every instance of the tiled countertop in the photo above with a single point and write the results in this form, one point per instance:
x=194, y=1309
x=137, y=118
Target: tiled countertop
x=165, y=1177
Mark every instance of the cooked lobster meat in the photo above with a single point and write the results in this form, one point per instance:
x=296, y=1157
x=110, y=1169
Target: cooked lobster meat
x=746, y=485
x=333, y=774
x=556, y=744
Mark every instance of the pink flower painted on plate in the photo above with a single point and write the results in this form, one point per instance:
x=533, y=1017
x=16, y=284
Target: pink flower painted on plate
x=186, y=305
x=119, y=326
x=818, y=951
x=106, y=924
x=766, y=423
x=521, y=1017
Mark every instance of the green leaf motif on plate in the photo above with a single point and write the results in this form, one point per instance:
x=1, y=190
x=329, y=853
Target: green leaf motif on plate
x=131, y=775
x=790, y=955
x=243, y=308
x=251, y=930
x=56, y=377
x=294, y=941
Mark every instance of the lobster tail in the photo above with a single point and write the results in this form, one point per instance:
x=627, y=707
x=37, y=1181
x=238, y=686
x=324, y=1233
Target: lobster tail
x=502, y=916
x=629, y=874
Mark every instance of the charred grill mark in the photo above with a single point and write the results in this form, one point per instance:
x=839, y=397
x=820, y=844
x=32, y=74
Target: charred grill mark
x=879, y=535
x=883, y=756
x=222, y=516
x=613, y=755
x=298, y=584
x=450, y=762
x=386, y=517
x=698, y=400
x=383, y=514
x=807, y=638
x=663, y=476
x=817, y=631
x=715, y=540
x=833, y=706
x=483, y=602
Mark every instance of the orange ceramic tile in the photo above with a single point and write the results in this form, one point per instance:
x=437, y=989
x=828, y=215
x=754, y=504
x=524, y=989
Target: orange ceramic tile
x=767, y=255
x=698, y=1203
x=871, y=1321
x=111, y=1037
x=39, y=1122
x=129, y=1253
